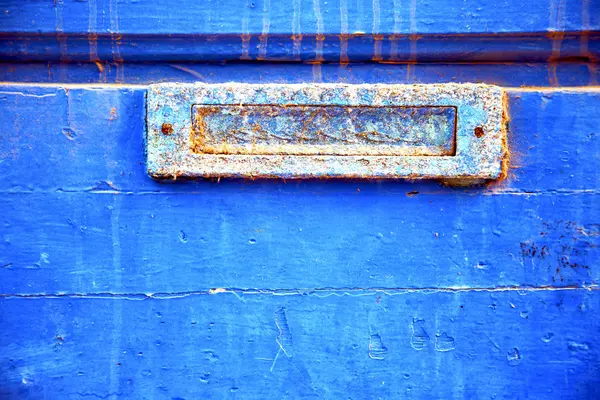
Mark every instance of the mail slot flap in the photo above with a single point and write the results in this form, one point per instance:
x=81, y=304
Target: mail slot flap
x=333, y=130
x=311, y=131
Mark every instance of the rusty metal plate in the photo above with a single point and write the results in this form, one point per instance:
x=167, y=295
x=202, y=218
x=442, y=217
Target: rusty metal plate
x=331, y=130
x=449, y=131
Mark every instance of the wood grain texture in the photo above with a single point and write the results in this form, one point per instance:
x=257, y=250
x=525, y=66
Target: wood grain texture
x=301, y=30
x=98, y=133
x=331, y=345
x=311, y=48
x=299, y=17
x=572, y=74
x=271, y=236
x=115, y=286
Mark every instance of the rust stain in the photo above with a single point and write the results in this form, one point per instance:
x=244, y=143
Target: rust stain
x=394, y=39
x=319, y=39
x=262, y=47
x=245, y=47
x=344, y=49
x=309, y=130
x=93, y=41
x=297, y=43
x=377, y=43
x=166, y=128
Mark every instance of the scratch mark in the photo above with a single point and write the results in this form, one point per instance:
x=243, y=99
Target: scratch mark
x=44, y=259
x=190, y=71
x=39, y=96
x=275, y=360
x=318, y=292
x=491, y=341
x=84, y=394
x=284, y=339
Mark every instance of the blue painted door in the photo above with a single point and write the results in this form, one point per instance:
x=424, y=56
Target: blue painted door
x=113, y=285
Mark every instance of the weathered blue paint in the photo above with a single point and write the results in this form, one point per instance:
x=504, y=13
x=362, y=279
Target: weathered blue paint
x=526, y=344
x=78, y=211
x=503, y=74
x=113, y=285
x=264, y=235
x=266, y=17
x=85, y=233
x=542, y=218
x=301, y=30
x=479, y=132
x=389, y=48
x=107, y=123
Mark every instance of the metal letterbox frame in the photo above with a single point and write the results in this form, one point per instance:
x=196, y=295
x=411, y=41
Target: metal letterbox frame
x=480, y=134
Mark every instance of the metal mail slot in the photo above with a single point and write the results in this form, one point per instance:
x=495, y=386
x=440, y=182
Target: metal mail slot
x=446, y=131
x=333, y=130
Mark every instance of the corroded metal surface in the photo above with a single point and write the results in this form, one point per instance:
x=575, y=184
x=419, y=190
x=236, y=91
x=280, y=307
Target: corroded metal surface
x=448, y=131
x=330, y=130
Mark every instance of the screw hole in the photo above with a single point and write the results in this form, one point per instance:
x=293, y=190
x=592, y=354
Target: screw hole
x=167, y=128
x=479, y=132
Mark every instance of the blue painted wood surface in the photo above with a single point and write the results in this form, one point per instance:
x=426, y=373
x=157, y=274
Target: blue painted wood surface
x=535, y=47
x=327, y=345
x=502, y=74
x=301, y=30
x=115, y=286
x=334, y=17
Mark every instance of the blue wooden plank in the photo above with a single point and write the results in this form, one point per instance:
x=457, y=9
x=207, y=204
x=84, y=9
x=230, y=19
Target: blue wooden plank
x=502, y=74
x=116, y=286
x=537, y=47
x=98, y=133
x=329, y=345
x=295, y=237
x=74, y=154
x=310, y=30
x=299, y=17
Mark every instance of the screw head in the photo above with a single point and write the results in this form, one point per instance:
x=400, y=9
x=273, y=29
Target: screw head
x=166, y=128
